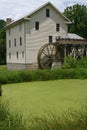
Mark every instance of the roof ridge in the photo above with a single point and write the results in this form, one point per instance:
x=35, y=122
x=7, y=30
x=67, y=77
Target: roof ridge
x=34, y=11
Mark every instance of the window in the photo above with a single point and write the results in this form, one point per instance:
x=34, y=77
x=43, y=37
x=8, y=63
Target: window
x=9, y=43
x=15, y=42
x=47, y=13
x=9, y=55
x=22, y=54
x=57, y=27
x=20, y=27
x=20, y=41
x=17, y=55
x=50, y=39
x=9, y=32
x=37, y=25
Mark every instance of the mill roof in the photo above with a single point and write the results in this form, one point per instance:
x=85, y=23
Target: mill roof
x=74, y=36
x=27, y=17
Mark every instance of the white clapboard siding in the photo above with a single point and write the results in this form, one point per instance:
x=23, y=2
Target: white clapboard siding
x=15, y=33
x=47, y=27
x=33, y=40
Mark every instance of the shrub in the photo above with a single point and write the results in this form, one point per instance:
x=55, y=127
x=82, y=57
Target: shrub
x=82, y=63
x=41, y=75
x=69, y=62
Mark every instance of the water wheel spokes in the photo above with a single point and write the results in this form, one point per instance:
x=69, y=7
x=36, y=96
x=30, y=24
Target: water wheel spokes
x=47, y=55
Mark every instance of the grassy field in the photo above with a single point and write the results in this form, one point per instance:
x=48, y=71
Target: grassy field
x=48, y=96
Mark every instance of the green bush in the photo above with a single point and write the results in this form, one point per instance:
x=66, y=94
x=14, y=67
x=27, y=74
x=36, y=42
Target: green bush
x=41, y=75
x=69, y=62
x=82, y=63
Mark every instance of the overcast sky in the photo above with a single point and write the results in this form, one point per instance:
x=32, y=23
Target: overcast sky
x=17, y=8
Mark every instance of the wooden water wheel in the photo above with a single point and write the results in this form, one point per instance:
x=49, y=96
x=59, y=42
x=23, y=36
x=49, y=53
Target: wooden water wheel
x=56, y=52
x=48, y=54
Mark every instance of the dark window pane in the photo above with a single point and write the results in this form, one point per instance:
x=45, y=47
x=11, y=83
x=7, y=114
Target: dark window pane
x=57, y=27
x=22, y=54
x=14, y=42
x=9, y=43
x=47, y=13
x=20, y=27
x=50, y=39
x=9, y=55
x=37, y=25
x=17, y=55
x=20, y=41
x=9, y=32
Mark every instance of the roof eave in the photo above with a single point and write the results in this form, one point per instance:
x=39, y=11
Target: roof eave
x=13, y=24
x=16, y=22
x=68, y=22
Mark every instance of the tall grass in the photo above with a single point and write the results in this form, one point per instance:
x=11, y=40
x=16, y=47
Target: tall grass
x=9, y=120
x=73, y=120
x=70, y=120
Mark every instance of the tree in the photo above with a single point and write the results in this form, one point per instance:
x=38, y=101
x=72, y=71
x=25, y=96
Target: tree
x=2, y=24
x=2, y=31
x=78, y=16
x=2, y=51
x=2, y=43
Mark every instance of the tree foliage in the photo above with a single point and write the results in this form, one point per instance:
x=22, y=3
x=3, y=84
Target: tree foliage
x=2, y=51
x=2, y=24
x=2, y=43
x=78, y=16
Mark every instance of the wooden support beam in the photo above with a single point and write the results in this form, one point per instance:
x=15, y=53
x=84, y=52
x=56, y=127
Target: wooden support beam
x=71, y=41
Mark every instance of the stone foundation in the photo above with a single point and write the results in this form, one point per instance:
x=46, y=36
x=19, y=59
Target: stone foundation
x=56, y=65
x=32, y=66
x=20, y=66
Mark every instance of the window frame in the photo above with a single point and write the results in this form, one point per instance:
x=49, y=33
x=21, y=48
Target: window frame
x=15, y=42
x=9, y=31
x=9, y=43
x=20, y=41
x=20, y=27
x=17, y=55
x=37, y=25
x=22, y=54
x=9, y=55
x=57, y=27
x=50, y=39
x=47, y=13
